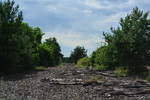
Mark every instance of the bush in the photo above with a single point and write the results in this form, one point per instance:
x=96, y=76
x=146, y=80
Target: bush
x=50, y=53
x=148, y=77
x=101, y=67
x=45, y=54
x=121, y=71
x=103, y=56
x=39, y=68
x=84, y=62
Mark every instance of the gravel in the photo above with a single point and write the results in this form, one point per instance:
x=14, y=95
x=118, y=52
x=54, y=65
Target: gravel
x=69, y=83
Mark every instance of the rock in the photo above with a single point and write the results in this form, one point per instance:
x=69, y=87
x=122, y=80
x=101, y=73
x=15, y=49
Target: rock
x=69, y=83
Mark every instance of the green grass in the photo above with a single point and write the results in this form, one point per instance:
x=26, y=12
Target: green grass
x=83, y=63
x=39, y=68
x=148, y=77
x=121, y=72
x=101, y=67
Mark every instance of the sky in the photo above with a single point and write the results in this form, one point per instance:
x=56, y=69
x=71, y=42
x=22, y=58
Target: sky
x=77, y=22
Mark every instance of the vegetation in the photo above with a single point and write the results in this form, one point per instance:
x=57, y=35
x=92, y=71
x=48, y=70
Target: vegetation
x=121, y=71
x=84, y=62
x=20, y=44
x=15, y=36
x=126, y=49
x=148, y=77
x=128, y=45
x=103, y=57
x=50, y=53
x=77, y=53
x=100, y=67
x=66, y=60
x=39, y=68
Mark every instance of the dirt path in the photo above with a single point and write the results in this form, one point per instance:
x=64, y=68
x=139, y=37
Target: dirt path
x=68, y=83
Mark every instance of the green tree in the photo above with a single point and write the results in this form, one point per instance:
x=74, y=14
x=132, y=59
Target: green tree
x=10, y=36
x=103, y=56
x=18, y=41
x=50, y=53
x=78, y=53
x=131, y=40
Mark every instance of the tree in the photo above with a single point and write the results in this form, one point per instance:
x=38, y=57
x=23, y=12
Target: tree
x=10, y=37
x=131, y=41
x=77, y=53
x=18, y=41
x=103, y=56
x=50, y=53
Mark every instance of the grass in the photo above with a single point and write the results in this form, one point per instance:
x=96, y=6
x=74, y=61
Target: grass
x=121, y=72
x=148, y=77
x=39, y=68
x=101, y=67
x=83, y=63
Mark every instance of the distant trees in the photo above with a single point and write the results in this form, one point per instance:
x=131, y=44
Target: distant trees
x=129, y=43
x=20, y=44
x=77, y=53
x=66, y=60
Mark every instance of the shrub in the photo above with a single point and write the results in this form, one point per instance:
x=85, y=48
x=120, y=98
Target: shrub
x=39, y=68
x=148, y=77
x=50, y=53
x=103, y=56
x=84, y=62
x=121, y=71
x=101, y=67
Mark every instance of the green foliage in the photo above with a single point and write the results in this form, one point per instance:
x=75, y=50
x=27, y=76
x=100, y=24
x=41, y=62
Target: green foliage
x=100, y=67
x=15, y=48
x=39, y=68
x=148, y=77
x=103, y=56
x=20, y=44
x=66, y=60
x=50, y=53
x=84, y=62
x=121, y=72
x=77, y=53
x=131, y=41
x=33, y=38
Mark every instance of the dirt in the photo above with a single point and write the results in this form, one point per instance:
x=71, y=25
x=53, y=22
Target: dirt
x=67, y=82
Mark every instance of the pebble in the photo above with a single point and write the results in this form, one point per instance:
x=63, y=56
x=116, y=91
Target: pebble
x=67, y=83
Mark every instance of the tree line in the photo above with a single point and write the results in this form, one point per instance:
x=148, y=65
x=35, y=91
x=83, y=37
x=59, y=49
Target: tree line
x=127, y=47
x=21, y=47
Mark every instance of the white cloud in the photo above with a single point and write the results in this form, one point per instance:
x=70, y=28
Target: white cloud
x=114, y=5
x=108, y=21
x=72, y=39
x=93, y=3
x=77, y=22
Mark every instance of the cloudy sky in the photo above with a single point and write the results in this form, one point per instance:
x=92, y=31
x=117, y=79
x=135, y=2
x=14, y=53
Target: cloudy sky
x=77, y=22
